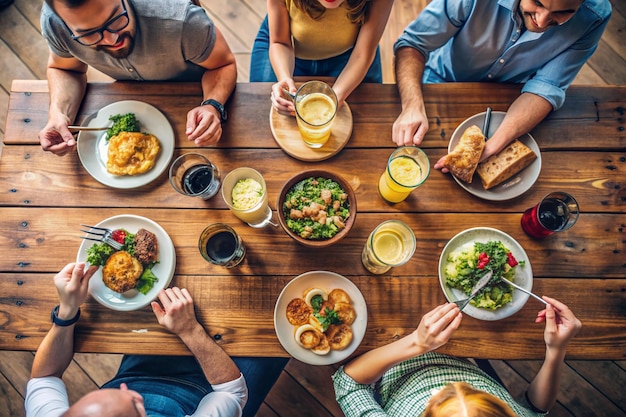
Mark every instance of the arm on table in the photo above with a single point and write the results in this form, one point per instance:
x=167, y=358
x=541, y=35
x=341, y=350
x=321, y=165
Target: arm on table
x=364, y=50
x=67, y=81
x=204, y=125
x=412, y=123
x=57, y=348
x=434, y=330
x=178, y=316
x=561, y=326
x=526, y=112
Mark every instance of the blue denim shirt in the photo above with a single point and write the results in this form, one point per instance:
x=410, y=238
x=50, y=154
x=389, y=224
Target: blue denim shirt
x=485, y=40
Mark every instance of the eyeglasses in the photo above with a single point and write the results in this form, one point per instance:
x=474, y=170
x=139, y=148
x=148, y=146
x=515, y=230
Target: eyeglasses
x=114, y=25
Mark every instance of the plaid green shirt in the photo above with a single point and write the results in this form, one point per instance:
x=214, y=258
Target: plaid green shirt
x=404, y=390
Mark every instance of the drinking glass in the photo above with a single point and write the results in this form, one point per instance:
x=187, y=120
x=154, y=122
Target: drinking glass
x=407, y=168
x=391, y=243
x=316, y=107
x=245, y=193
x=555, y=212
x=194, y=175
x=219, y=244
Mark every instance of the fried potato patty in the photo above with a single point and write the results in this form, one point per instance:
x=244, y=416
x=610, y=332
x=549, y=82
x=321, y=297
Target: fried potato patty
x=132, y=153
x=121, y=272
x=339, y=296
x=339, y=336
x=298, y=312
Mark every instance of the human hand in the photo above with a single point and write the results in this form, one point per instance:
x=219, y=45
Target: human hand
x=204, y=126
x=410, y=127
x=280, y=102
x=55, y=137
x=561, y=324
x=437, y=326
x=439, y=165
x=72, y=284
x=177, y=314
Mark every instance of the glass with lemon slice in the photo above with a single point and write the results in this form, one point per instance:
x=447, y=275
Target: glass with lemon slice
x=407, y=168
x=392, y=243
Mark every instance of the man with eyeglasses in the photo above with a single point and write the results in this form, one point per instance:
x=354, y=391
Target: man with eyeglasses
x=539, y=43
x=142, y=40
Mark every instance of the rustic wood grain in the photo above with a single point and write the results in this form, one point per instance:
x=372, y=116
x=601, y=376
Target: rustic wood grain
x=240, y=310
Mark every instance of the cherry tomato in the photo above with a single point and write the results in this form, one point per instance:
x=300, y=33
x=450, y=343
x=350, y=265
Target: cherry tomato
x=510, y=259
x=119, y=236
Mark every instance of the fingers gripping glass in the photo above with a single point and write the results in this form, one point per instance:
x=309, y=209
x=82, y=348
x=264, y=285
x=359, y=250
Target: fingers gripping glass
x=114, y=25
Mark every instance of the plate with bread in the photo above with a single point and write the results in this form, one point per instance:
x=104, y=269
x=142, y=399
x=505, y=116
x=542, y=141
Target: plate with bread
x=129, y=159
x=500, y=177
x=320, y=317
x=120, y=283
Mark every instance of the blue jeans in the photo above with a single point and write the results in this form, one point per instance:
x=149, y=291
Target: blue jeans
x=261, y=67
x=174, y=385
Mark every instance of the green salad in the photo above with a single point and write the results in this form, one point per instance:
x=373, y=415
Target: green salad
x=122, y=123
x=466, y=266
x=316, y=208
x=99, y=253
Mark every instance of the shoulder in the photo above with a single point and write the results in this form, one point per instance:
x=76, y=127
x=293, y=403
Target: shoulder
x=45, y=397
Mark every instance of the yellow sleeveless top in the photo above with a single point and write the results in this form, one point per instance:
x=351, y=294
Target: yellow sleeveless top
x=331, y=35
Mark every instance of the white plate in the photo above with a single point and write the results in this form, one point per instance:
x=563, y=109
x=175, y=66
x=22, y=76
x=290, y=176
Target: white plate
x=327, y=281
x=514, y=186
x=164, y=269
x=523, y=273
x=92, y=145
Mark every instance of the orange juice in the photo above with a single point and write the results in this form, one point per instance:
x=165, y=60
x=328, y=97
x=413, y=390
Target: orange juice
x=315, y=114
x=388, y=246
x=402, y=176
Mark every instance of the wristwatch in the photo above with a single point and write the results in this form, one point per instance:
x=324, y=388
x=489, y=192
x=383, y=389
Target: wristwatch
x=219, y=106
x=60, y=322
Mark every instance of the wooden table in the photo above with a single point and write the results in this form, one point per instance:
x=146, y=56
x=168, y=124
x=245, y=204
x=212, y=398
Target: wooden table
x=44, y=198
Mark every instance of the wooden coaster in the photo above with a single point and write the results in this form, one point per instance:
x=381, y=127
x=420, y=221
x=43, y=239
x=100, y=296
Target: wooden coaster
x=286, y=133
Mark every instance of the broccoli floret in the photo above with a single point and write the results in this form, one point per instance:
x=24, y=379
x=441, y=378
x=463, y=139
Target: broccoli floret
x=122, y=123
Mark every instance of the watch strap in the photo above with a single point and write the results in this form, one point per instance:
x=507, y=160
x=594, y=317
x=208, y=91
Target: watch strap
x=219, y=106
x=60, y=322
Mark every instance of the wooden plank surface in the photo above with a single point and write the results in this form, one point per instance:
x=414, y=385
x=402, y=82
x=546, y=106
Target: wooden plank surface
x=592, y=117
x=240, y=310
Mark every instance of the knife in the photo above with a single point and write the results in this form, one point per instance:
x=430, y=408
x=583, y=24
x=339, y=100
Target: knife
x=477, y=287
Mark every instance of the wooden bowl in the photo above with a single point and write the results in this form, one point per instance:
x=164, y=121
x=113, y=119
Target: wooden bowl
x=317, y=243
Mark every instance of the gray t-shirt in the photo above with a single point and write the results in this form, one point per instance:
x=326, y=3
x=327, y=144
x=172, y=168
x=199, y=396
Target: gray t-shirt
x=171, y=37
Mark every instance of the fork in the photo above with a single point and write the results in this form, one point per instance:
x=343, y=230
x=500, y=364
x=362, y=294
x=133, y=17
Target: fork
x=522, y=289
x=106, y=236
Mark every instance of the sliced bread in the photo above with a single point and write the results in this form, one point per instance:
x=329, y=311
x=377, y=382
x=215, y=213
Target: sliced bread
x=502, y=166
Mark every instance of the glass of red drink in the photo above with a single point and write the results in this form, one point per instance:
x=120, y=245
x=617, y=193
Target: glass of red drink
x=555, y=212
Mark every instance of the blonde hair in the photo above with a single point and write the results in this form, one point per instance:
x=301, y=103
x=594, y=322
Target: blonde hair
x=358, y=10
x=460, y=399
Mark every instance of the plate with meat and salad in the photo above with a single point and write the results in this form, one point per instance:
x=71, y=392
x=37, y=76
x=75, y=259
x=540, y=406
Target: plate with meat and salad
x=469, y=255
x=135, y=150
x=320, y=317
x=500, y=177
x=130, y=278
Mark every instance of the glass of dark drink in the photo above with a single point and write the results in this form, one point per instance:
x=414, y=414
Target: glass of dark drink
x=219, y=244
x=555, y=212
x=194, y=175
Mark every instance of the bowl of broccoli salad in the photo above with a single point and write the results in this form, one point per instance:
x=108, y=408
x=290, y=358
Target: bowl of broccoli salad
x=473, y=252
x=316, y=208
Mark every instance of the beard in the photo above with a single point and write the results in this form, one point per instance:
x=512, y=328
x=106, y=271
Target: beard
x=122, y=52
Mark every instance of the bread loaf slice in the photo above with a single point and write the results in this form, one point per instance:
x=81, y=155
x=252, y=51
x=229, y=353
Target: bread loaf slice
x=463, y=159
x=502, y=166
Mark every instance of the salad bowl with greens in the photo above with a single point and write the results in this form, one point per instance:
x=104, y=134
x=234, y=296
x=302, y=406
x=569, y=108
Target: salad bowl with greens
x=473, y=252
x=316, y=208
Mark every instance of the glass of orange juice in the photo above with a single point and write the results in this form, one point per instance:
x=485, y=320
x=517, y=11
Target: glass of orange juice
x=391, y=243
x=407, y=168
x=316, y=107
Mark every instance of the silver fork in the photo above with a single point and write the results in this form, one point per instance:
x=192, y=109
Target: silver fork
x=105, y=235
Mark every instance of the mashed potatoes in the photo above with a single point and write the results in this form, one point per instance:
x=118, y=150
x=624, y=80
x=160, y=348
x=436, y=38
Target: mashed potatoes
x=132, y=153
